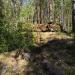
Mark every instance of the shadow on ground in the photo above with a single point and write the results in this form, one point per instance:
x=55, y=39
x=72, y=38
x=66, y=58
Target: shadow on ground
x=56, y=57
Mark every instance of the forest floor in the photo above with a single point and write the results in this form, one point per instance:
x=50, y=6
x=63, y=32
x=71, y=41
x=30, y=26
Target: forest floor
x=54, y=57
x=44, y=37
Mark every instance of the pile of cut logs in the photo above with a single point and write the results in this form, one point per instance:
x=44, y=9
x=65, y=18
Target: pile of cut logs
x=46, y=27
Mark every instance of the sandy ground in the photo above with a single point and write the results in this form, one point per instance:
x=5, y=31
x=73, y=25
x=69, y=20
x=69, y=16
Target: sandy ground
x=10, y=66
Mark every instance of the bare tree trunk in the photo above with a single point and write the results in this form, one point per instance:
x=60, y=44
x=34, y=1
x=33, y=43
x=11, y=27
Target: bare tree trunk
x=63, y=27
x=48, y=10
x=73, y=16
x=53, y=10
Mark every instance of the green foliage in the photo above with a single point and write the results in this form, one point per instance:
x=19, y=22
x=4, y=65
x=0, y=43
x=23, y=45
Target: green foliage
x=25, y=26
x=11, y=31
x=16, y=39
x=3, y=45
x=70, y=71
x=27, y=10
x=19, y=39
x=25, y=30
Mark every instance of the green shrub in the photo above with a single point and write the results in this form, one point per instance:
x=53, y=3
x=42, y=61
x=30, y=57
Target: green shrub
x=70, y=71
x=11, y=40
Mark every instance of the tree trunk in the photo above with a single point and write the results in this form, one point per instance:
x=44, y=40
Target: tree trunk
x=73, y=16
x=62, y=16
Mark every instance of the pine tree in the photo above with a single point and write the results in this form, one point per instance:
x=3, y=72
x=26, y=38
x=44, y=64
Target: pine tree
x=73, y=15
